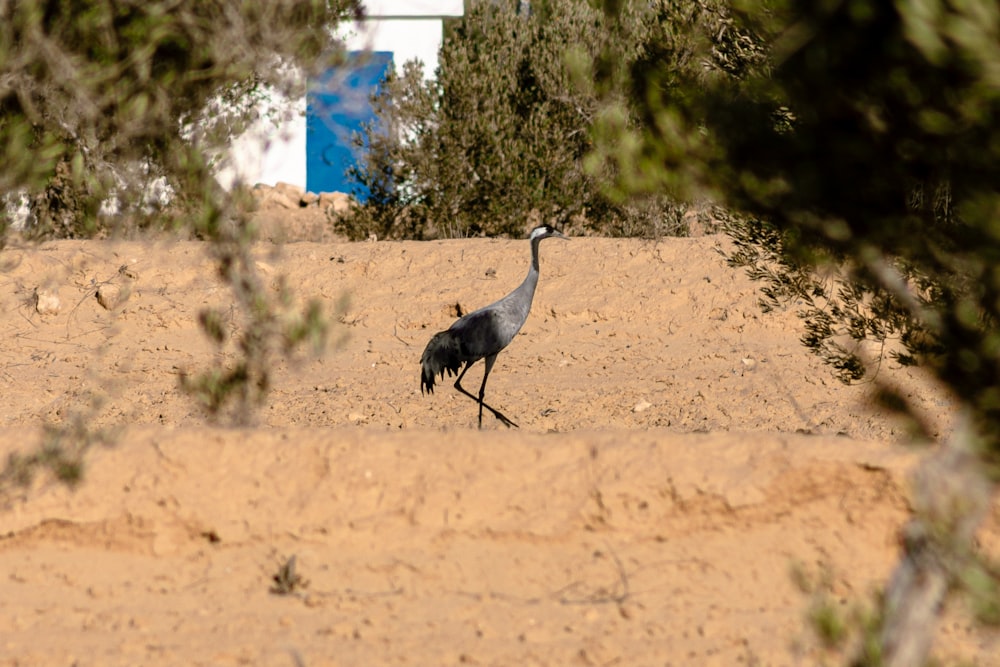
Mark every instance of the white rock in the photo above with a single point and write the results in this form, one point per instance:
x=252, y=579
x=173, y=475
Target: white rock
x=46, y=301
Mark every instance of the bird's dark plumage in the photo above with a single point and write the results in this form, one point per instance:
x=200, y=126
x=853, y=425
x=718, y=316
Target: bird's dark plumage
x=443, y=353
x=483, y=333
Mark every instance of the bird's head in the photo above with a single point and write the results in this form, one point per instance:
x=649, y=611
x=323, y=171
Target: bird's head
x=546, y=231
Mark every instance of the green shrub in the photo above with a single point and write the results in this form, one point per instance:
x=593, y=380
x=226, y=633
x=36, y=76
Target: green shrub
x=862, y=156
x=100, y=98
x=97, y=98
x=497, y=141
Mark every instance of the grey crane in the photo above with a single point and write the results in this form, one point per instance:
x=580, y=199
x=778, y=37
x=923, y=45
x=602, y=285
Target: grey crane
x=483, y=333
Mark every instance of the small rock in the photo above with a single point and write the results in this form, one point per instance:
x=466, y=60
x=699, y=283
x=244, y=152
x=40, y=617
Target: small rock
x=275, y=199
x=46, y=301
x=111, y=296
x=107, y=296
x=293, y=192
x=308, y=199
x=338, y=201
x=642, y=406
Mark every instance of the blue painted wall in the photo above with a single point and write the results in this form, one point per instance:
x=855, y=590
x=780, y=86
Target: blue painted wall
x=337, y=105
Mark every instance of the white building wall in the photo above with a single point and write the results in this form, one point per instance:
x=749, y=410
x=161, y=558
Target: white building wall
x=269, y=153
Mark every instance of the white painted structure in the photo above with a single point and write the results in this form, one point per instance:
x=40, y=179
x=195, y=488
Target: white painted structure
x=274, y=148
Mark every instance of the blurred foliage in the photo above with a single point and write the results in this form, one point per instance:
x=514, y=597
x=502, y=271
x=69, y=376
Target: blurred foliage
x=848, y=632
x=861, y=136
x=858, y=157
x=267, y=325
x=99, y=99
x=497, y=141
x=60, y=455
x=114, y=115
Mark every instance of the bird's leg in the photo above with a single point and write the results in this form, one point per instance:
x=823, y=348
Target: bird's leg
x=482, y=391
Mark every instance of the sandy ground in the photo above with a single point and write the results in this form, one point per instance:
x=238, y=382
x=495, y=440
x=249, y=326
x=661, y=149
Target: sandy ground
x=679, y=455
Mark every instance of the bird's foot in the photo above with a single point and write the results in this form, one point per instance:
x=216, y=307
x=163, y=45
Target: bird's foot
x=506, y=422
x=503, y=419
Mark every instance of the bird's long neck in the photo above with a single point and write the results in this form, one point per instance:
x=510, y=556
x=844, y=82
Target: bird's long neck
x=527, y=288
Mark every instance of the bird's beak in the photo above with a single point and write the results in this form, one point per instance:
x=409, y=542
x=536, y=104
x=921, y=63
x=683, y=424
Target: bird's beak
x=560, y=235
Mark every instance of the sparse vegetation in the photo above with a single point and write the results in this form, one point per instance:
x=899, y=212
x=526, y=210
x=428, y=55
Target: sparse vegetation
x=286, y=581
x=847, y=630
x=497, y=142
x=101, y=100
x=248, y=339
x=112, y=118
x=61, y=452
x=859, y=159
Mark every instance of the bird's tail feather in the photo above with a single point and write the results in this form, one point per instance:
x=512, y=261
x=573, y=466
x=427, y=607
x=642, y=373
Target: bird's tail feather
x=443, y=353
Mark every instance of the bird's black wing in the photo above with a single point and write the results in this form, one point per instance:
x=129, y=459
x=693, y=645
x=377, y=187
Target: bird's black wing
x=443, y=353
x=469, y=339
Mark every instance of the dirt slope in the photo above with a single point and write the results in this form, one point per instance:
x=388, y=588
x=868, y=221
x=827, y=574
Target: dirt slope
x=679, y=453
